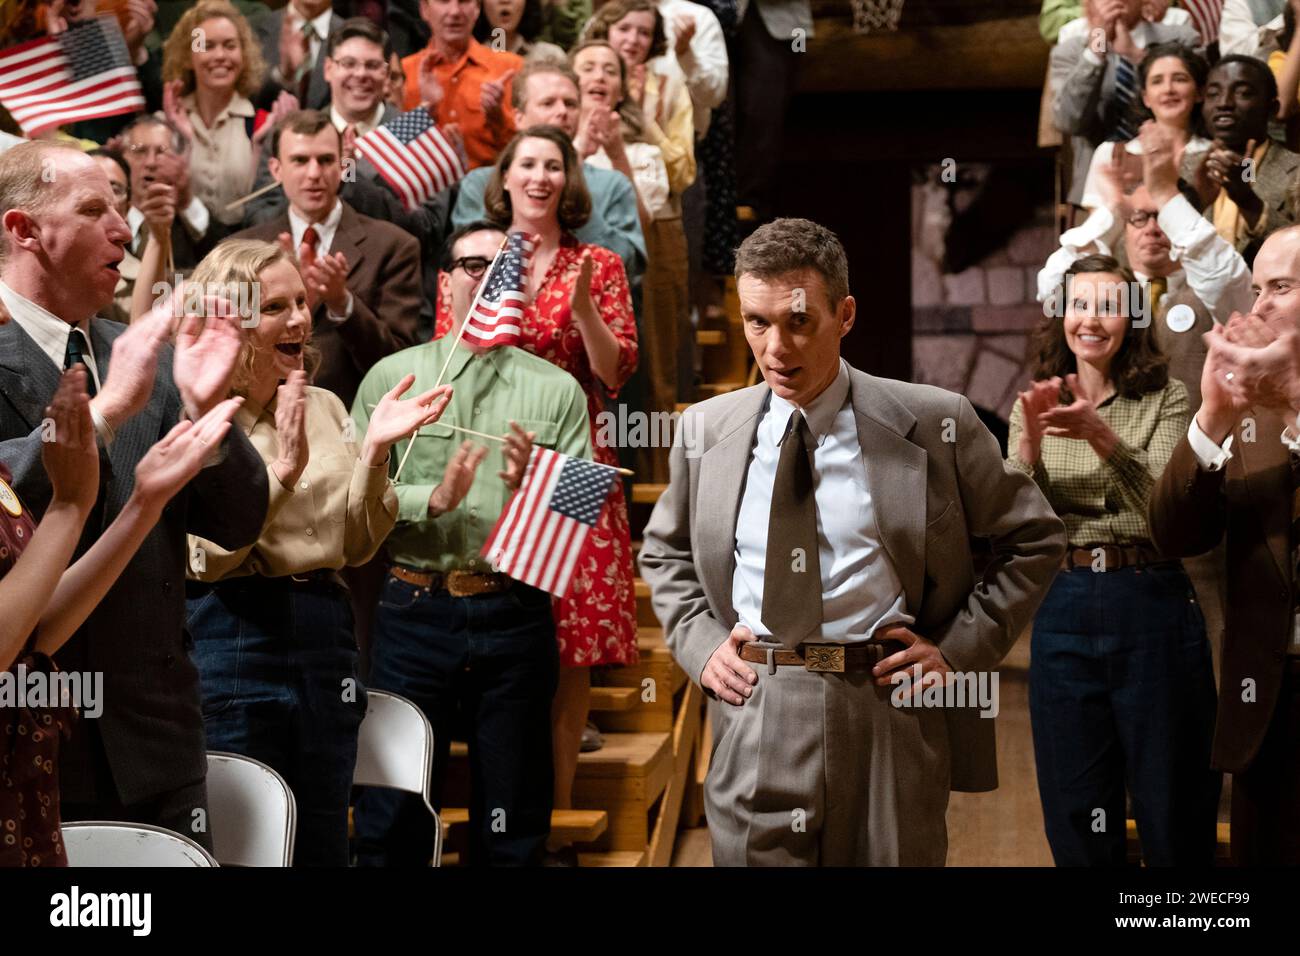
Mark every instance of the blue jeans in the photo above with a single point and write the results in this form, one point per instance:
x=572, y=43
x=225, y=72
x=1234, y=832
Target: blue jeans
x=1121, y=694
x=492, y=661
x=277, y=663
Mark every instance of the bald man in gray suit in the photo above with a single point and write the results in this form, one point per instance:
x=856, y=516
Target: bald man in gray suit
x=811, y=564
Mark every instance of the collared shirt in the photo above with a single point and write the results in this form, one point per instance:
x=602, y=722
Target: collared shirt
x=705, y=61
x=320, y=29
x=489, y=391
x=1210, y=266
x=649, y=175
x=221, y=162
x=1228, y=220
x=50, y=333
x=668, y=125
x=462, y=85
x=861, y=590
x=362, y=127
x=325, y=233
x=1104, y=501
x=337, y=515
x=195, y=216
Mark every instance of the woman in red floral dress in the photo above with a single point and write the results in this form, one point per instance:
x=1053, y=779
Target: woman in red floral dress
x=581, y=320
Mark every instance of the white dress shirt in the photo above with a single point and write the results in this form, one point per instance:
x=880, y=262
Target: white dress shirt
x=1239, y=33
x=704, y=62
x=649, y=176
x=50, y=333
x=861, y=591
x=320, y=29
x=1211, y=267
x=325, y=231
x=362, y=126
x=195, y=216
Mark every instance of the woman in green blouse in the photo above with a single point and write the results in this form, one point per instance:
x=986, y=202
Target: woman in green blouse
x=1121, y=689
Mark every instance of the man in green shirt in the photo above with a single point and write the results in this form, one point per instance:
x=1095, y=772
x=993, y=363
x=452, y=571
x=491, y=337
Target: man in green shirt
x=450, y=633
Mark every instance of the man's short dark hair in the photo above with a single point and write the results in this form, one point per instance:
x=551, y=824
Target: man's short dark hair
x=476, y=225
x=360, y=27
x=792, y=245
x=302, y=122
x=1266, y=79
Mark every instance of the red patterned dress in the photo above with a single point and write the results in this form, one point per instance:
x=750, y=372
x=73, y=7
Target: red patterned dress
x=596, y=623
x=29, y=735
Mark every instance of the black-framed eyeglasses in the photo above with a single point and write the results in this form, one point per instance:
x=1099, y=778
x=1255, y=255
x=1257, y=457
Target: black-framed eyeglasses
x=1139, y=219
x=474, y=266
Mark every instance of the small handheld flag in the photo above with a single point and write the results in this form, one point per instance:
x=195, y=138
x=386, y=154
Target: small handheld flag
x=413, y=156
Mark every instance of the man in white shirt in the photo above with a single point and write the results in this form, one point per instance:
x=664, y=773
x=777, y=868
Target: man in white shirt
x=1234, y=478
x=818, y=525
x=1250, y=27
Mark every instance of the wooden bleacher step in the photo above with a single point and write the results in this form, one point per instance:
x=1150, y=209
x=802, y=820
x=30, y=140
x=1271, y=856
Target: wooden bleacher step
x=575, y=826
x=625, y=777
x=613, y=858
x=613, y=699
x=645, y=493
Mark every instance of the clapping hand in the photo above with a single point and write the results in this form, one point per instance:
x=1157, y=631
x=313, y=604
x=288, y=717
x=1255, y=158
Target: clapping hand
x=174, y=111
x=1226, y=168
x=457, y=479
x=580, y=301
x=1038, y=399
x=1078, y=420
x=684, y=26
x=326, y=279
x=71, y=460
x=207, y=347
x=294, y=48
x=170, y=464
x=431, y=92
x=126, y=390
x=394, y=419
x=291, y=429
x=1159, y=169
x=492, y=95
x=517, y=450
x=1250, y=363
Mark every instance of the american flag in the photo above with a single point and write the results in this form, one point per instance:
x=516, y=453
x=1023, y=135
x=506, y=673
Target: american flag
x=83, y=73
x=539, y=536
x=413, y=156
x=1205, y=15
x=498, y=308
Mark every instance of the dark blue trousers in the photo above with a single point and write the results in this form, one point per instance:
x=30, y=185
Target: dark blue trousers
x=1121, y=696
x=493, y=661
x=277, y=662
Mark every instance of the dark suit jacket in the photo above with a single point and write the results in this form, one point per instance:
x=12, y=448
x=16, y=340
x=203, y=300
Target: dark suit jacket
x=1248, y=502
x=151, y=727
x=384, y=279
x=267, y=28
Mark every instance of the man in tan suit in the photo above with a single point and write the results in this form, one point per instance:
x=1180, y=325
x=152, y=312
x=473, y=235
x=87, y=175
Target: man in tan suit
x=1234, y=478
x=818, y=525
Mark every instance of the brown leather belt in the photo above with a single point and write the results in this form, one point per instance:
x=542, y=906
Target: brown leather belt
x=457, y=583
x=1112, y=557
x=832, y=658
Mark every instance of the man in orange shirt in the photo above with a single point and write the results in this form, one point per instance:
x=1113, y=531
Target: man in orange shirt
x=475, y=79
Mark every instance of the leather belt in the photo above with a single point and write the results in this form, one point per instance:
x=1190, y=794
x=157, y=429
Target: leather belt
x=456, y=583
x=1113, y=557
x=830, y=658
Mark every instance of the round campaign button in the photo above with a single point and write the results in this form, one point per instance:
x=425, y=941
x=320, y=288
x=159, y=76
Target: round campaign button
x=9, y=500
x=1180, y=318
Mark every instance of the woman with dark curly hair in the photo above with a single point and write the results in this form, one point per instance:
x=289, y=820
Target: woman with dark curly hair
x=212, y=64
x=1121, y=689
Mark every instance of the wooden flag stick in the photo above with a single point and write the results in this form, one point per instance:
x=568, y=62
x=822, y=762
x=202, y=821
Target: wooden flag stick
x=460, y=333
x=232, y=206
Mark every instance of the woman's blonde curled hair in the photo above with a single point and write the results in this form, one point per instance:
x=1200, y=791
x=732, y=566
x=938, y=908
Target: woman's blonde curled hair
x=237, y=264
x=178, y=63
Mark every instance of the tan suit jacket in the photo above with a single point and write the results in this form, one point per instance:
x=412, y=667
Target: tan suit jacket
x=937, y=477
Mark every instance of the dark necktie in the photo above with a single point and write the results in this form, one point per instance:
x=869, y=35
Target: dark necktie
x=75, y=353
x=1123, y=98
x=792, y=576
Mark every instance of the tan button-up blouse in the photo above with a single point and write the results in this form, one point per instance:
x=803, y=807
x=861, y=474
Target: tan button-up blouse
x=221, y=164
x=338, y=514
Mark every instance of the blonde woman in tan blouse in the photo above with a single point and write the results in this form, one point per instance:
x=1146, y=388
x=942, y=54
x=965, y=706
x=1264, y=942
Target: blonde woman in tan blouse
x=272, y=623
x=212, y=64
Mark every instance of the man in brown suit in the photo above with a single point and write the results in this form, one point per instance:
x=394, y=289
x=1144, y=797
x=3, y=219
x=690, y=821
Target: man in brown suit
x=1234, y=477
x=362, y=275
x=819, y=524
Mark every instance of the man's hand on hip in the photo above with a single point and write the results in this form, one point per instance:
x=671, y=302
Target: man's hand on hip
x=726, y=674
x=918, y=651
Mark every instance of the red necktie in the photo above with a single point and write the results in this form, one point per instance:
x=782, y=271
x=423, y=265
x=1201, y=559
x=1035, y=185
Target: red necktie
x=307, y=251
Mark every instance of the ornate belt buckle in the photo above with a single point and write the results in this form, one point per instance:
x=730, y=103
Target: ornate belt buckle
x=824, y=657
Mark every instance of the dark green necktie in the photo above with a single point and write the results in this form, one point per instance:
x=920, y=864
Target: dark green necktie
x=75, y=353
x=792, y=576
